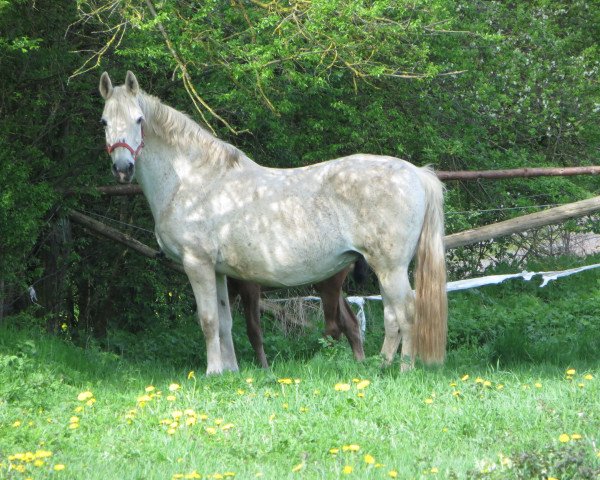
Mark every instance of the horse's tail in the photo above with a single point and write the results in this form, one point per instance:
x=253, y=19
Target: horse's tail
x=431, y=303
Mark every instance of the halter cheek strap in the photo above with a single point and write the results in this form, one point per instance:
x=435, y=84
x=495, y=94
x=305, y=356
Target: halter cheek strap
x=134, y=153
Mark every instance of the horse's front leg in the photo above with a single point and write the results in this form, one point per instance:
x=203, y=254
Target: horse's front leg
x=225, y=323
x=203, y=280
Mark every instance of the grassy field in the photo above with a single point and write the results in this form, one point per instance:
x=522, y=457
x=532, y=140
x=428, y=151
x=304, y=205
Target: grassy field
x=519, y=397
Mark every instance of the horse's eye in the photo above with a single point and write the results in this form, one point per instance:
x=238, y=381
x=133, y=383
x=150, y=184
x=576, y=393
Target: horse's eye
x=139, y=120
x=104, y=122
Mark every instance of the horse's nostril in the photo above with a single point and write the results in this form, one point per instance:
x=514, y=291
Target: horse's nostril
x=130, y=168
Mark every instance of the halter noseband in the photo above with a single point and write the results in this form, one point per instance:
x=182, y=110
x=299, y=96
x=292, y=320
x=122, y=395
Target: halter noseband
x=134, y=153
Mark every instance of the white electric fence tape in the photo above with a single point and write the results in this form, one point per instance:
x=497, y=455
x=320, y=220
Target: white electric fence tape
x=460, y=285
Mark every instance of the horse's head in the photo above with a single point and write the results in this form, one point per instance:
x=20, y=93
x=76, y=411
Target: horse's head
x=123, y=123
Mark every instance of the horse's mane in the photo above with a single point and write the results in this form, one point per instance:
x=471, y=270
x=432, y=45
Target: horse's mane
x=177, y=128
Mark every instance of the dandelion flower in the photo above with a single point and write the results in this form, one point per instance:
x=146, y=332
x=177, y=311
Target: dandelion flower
x=479, y=380
x=144, y=399
x=285, y=381
x=571, y=371
x=17, y=423
x=589, y=376
x=171, y=398
x=369, y=460
x=362, y=384
x=58, y=467
x=487, y=383
x=347, y=470
x=393, y=474
x=211, y=430
x=334, y=451
x=149, y=388
x=434, y=470
x=191, y=375
x=298, y=467
x=564, y=438
x=429, y=401
x=342, y=387
x=576, y=436
x=351, y=448
x=464, y=378
x=537, y=385
x=83, y=396
x=174, y=387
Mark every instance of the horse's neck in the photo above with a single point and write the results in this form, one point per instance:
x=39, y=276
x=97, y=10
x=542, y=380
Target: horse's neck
x=164, y=168
x=159, y=173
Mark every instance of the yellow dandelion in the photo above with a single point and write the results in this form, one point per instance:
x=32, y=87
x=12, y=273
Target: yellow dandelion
x=211, y=430
x=434, y=470
x=16, y=423
x=191, y=375
x=360, y=395
x=393, y=474
x=73, y=426
x=249, y=380
x=73, y=419
x=240, y=391
x=487, y=383
x=564, y=438
x=171, y=398
x=229, y=474
x=479, y=380
x=464, y=378
x=227, y=426
x=453, y=384
x=190, y=421
x=362, y=384
x=576, y=436
x=177, y=413
x=369, y=460
x=351, y=448
x=580, y=385
x=342, y=387
x=499, y=386
x=588, y=376
x=58, y=467
x=83, y=396
x=78, y=409
x=297, y=381
x=203, y=416
x=347, y=470
x=149, y=388
x=43, y=454
x=552, y=478
x=571, y=371
x=429, y=401
x=174, y=387
x=144, y=399
x=285, y=381
x=334, y=451
x=38, y=463
x=298, y=467
x=171, y=431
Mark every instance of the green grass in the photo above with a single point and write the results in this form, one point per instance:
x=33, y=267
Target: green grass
x=515, y=342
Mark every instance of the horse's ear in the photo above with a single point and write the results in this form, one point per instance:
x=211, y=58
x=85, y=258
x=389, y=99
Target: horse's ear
x=131, y=83
x=106, y=88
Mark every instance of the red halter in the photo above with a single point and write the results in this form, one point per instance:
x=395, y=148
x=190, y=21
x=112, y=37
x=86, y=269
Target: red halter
x=134, y=153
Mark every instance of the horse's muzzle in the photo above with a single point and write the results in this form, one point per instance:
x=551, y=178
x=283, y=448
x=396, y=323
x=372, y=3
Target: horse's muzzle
x=123, y=172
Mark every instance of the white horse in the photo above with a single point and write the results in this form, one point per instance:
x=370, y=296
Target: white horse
x=219, y=213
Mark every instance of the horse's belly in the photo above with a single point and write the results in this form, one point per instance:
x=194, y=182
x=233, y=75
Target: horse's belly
x=282, y=267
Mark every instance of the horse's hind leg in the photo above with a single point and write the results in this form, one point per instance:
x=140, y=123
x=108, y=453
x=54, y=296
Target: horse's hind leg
x=250, y=295
x=398, y=301
x=339, y=317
